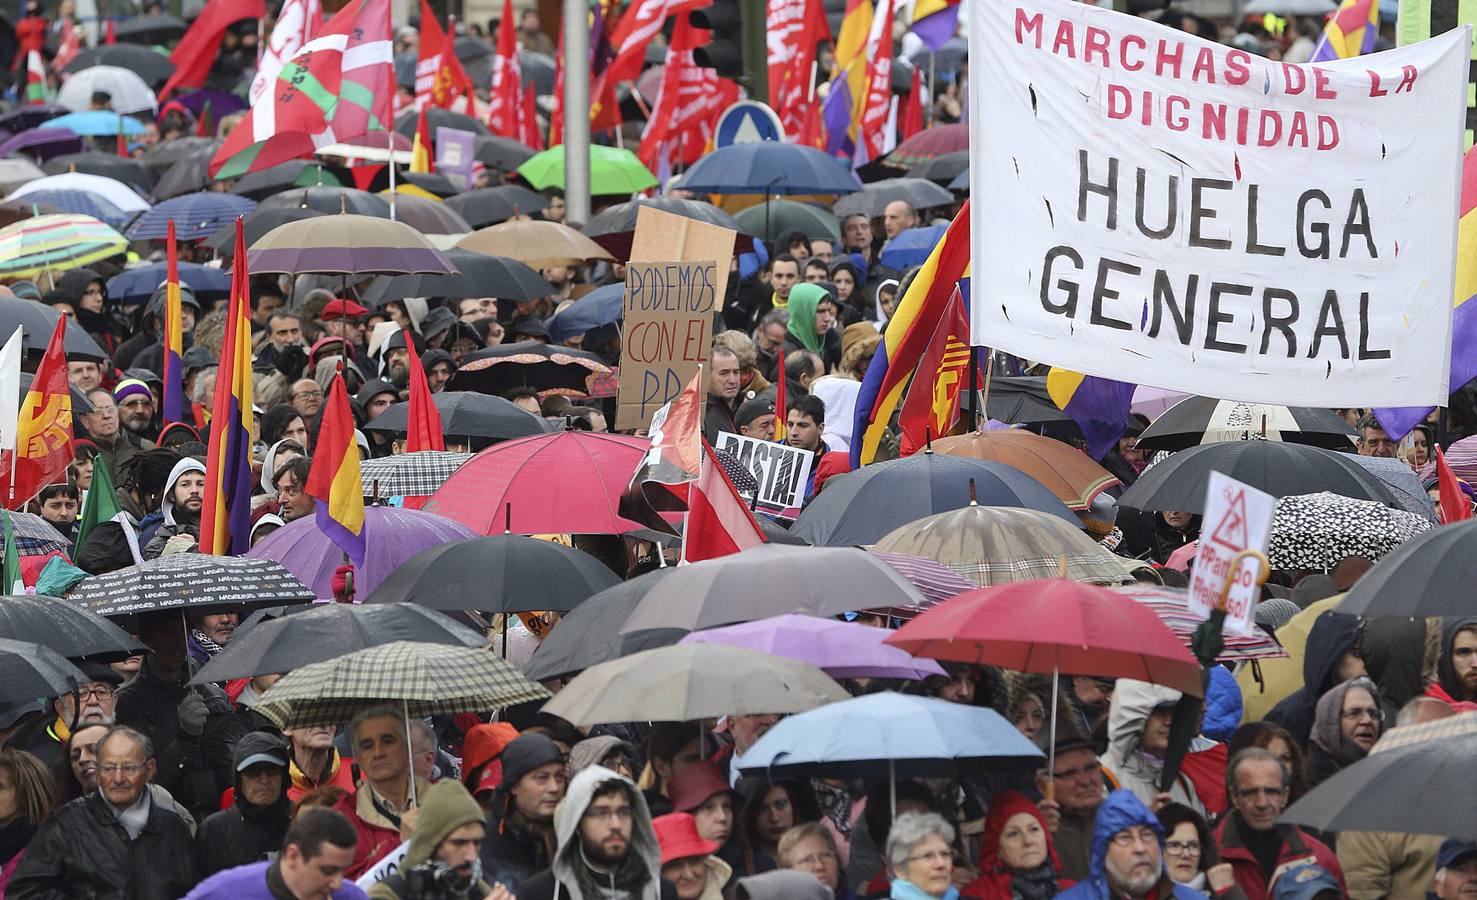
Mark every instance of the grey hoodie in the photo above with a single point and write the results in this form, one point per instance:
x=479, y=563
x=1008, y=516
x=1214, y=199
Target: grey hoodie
x=1133, y=702
x=571, y=811
x=188, y=464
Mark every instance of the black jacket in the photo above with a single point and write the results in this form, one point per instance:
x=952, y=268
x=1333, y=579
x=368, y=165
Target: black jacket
x=541, y=887
x=510, y=854
x=245, y=833
x=83, y=852
x=223, y=734
x=1333, y=634
x=152, y=706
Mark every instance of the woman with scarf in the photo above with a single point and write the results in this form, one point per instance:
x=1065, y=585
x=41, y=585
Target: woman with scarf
x=812, y=317
x=27, y=796
x=920, y=858
x=1348, y=722
x=1017, y=861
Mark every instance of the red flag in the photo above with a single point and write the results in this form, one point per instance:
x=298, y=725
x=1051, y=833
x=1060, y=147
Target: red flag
x=507, y=78
x=812, y=131
x=873, y=129
x=110, y=33
x=556, y=117
x=528, y=130
x=1454, y=504
x=718, y=521
x=642, y=21
x=912, y=119
x=43, y=440
x=439, y=76
x=795, y=27
x=781, y=405
x=932, y=404
x=689, y=102
x=423, y=419
x=196, y=52
x=68, y=46
x=660, y=483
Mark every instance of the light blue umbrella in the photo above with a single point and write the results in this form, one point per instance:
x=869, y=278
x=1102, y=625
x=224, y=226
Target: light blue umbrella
x=911, y=247
x=890, y=735
x=602, y=306
x=97, y=123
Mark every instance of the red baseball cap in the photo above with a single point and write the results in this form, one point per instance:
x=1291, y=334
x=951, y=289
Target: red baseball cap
x=678, y=837
x=342, y=309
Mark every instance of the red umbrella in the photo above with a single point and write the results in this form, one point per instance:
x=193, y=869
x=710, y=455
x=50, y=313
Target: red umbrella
x=1054, y=626
x=566, y=482
x=927, y=144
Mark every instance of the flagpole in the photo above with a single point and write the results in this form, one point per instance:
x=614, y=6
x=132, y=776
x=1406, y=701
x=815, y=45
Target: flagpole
x=576, y=98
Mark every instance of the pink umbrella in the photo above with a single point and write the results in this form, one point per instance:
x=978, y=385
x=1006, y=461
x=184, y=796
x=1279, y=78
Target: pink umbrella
x=1152, y=401
x=840, y=649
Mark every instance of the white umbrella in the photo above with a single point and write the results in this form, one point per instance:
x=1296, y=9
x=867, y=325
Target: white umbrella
x=110, y=189
x=1290, y=7
x=129, y=92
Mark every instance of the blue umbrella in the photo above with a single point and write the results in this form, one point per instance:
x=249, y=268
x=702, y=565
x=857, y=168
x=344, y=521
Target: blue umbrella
x=602, y=306
x=911, y=247
x=137, y=285
x=97, y=123
x=83, y=203
x=890, y=735
x=770, y=167
x=196, y=216
x=960, y=182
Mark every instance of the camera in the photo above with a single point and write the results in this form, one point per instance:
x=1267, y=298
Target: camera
x=433, y=880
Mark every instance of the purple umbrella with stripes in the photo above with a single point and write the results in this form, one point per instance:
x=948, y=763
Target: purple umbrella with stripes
x=934, y=580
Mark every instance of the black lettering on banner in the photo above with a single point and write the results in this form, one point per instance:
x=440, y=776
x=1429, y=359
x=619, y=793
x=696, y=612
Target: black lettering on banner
x=1183, y=316
x=1101, y=292
x=1364, y=351
x=1252, y=246
x=1069, y=308
x=1085, y=186
x=1282, y=324
x=1171, y=208
x=1215, y=318
x=1199, y=212
x=1318, y=228
x=1330, y=324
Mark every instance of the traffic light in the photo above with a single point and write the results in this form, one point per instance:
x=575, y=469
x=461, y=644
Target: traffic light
x=725, y=50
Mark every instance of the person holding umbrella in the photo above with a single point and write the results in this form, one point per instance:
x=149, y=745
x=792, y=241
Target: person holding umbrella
x=383, y=810
x=1077, y=783
x=1138, y=739
x=92, y=704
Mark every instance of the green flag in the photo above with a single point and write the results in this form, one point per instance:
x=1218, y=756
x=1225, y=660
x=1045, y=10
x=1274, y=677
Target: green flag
x=13, y=582
x=100, y=505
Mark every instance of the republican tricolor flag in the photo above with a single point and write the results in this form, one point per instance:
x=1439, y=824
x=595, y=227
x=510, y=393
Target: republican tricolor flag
x=225, y=519
x=333, y=481
x=1350, y=32
x=174, y=390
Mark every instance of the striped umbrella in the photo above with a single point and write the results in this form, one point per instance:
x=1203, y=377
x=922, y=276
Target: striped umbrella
x=66, y=241
x=82, y=203
x=1171, y=605
x=196, y=216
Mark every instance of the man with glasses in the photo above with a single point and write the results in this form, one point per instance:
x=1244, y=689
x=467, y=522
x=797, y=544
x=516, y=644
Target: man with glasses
x=90, y=704
x=1250, y=838
x=1077, y=780
x=114, y=842
x=1127, y=855
x=115, y=443
x=307, y=397
x=607, y=846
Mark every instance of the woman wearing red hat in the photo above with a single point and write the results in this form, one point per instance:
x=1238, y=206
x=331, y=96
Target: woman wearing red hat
x=688, y=861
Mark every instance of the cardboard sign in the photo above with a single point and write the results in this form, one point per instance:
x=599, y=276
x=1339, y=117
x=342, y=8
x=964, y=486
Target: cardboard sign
x=1237, y=517
x=1169, y=211
x=663, y=235
x=781, y=470
x=668, y=318
x=384, y=868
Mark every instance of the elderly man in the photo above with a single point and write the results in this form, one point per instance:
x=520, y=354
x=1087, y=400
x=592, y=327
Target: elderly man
x=90, y=704
x=315, y=854
x=253, y=827
x=1373, y=439
x=1127, y=856
x=118, y=445
x=115, y=842
x=307, y=397
x=723, y=389
x=898, y=217
x=607, y=847
x=449, y=835
x=1456, y=871
x=381, y=811
x=535, y=777
x=1079, y=789
x=136, y=408
x=1250, y=838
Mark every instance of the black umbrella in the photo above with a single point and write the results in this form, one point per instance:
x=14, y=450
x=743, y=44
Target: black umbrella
x=66, y=628
x=872, y=200
x=29, y=670
x=527, y=364
x=1022, y=400
x=1279, y=469
x=256, y=223
x=465, y=414
x=330, y=200
x=1421, y=785
x=191, y=582
x=23, y=118
x=285, y=176
x=161, y=156
x=503, y=154
x=861, y=507
x=476, y=275
x=434, y=182
x=326, y=630
x=488, y=206
x=538, y=69
x=439, y=118
x=1429, y=575
x=184, y=177
x=150, y=65
x=942, y=169
x=615, y=226
x=39, y=322
x=590, y=633
x=125, y=169
x=1203, y=420
x=506, y=573
x=155, y=29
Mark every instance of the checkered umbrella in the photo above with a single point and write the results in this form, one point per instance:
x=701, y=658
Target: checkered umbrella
x=34, y=536
x=409, y=474
x=423, y=679
x=194, y=582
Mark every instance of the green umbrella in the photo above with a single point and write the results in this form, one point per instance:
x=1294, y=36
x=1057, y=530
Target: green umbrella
x=779, y=217
x=612, y=170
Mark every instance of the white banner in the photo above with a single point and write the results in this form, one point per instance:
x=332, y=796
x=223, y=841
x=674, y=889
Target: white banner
x=1158, y=209
x=782, y=471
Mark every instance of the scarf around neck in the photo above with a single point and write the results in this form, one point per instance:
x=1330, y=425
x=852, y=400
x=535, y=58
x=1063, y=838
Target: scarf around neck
x=206, y=644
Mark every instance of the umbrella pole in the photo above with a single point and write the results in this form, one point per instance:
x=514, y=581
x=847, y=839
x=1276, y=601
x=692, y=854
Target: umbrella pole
x=390, y=142
x=892, y=788
x=409, y=752
x=984, y=398
x=1056, y=682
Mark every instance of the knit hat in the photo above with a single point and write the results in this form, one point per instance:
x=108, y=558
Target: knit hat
x=1274, y=612
x=526, y=753
x=131, y=387
x=750, y=410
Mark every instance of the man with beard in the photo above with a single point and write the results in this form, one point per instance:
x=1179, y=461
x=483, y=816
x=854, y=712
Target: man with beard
x=1127, y=855
x=136, y=408
x=253, y=827
x=444, y=849
x=183, y=500
x=90, y=704
x=607, y=847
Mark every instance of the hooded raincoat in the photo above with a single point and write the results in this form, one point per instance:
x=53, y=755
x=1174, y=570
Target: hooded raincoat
x=446, y=807
x=245, y=833
x=998, y=881
x=1120, y=811
x=1330, y=749
x=176, y=521
x=1332, y=635
x=1128, y=765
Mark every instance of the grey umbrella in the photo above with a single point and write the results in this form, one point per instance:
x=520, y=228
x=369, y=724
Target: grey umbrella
x=1429, y=575
x=822, y=581
x=692, y=681
x=65, y=627
x=1402, y=481
x=872, y=200
x=28, y=671
x=591, y=632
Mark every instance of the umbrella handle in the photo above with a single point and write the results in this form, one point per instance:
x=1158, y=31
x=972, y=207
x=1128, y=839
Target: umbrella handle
x=409, y=752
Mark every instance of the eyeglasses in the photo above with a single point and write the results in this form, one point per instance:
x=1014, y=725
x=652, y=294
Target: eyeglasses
x=620, y=814
x=1182, y=848
x=100, y=691
x=1093, y=768
x=308, y=395
x=1364, y=712
x=1138, y=834
x=933, y=856
x=128, y=769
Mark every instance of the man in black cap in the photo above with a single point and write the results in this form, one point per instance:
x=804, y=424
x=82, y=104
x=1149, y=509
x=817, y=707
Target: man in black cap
x=101, y=100
x=253, y=827
x=755, y=419
x=45, y=737
x=520, y=826
x=527, y=328
x=1077, y=780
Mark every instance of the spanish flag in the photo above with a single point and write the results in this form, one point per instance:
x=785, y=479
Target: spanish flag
x=174, y=387
x=420, y=148
x=908, y=334
x=225, y=521
x=334, y=479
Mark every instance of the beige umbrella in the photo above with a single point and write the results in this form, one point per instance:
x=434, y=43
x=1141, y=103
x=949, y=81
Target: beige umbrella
x=1002, y=545
x=686, y=682
x=538, y=244
x=346, y=244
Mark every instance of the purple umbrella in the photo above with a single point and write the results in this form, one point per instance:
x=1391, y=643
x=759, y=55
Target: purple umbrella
x=222, y=104
x=43, y=143
x=392, y=536
x=840, y=649
x=934, y=580
x=23, y=117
